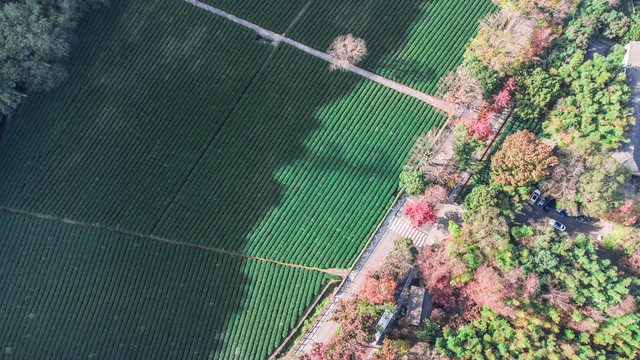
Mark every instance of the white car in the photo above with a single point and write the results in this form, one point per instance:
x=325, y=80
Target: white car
x=558, y=225
x=535, y=196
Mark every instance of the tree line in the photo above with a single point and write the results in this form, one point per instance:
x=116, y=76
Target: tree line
x=35, y=39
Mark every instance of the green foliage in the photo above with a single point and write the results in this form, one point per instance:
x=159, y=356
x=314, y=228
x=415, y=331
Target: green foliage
x=588, y=22
x=535, y=89
x=595, y=108
x=488, y=77
x=582, y=310
x=486, y=196
x=494, y=337
x=601, y=187
x=534, y=96
x=622, y=240
x=464, y=146
x=633, y=33
x=481, y=197
x=35, y=38
x=413, y=182
x=427, y=332
x=483, y=237
x=616, y=25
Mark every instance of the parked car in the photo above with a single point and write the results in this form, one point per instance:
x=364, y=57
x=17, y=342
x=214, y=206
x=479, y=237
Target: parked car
x=535, y=196
x=551, y=204
x=543, y=201
x=558, y=225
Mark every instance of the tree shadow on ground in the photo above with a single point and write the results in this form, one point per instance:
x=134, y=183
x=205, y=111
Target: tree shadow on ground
x=115, y=165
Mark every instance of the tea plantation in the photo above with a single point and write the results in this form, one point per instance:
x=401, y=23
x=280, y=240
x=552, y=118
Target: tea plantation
x=175, y=137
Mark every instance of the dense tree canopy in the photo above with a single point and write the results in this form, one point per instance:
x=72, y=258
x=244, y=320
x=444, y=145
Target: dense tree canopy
x=412, y=181
x=535, y=90
x=601, y=187
x=522, y=160
x=595, y=108
x=484, y=237
x=555, y=300
x=464, y=146
x=483, y=197
x=35, y=38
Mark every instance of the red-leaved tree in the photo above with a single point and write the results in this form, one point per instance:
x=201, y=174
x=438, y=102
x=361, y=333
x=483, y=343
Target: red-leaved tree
x=540, y=39
x=479, y=127
x=502, y=99
x=419, y=213
x=625, y=214
x=444, y=294
x=378, y=290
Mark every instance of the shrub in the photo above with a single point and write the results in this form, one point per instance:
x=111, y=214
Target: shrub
x=413, y=182
x=434, y=195
x=428, y=332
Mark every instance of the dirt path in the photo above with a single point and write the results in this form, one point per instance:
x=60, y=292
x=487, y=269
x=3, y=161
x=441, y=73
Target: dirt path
x=163, y=240
x=440, y=104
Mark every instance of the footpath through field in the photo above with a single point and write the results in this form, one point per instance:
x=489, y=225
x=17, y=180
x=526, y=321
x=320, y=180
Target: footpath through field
x=336, y=272
x=275, y=38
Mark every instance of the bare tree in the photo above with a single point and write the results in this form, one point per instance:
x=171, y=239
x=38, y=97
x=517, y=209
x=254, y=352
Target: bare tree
x=559, y=298
x=562, y=184
x=627, y=305
x=347, y=50
x=422, y=151
x=460, y=87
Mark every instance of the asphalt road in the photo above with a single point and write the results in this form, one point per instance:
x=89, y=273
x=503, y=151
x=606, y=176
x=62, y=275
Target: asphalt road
x=532, y=215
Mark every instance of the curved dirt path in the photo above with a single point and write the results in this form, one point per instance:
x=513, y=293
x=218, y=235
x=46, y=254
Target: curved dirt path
x=437, y=103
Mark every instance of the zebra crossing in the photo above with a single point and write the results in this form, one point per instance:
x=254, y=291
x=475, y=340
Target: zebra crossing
x=403, y=228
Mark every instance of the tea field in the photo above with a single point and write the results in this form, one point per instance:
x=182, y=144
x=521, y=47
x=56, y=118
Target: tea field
x=175, y=125
x=413, y=42
x=73, y=292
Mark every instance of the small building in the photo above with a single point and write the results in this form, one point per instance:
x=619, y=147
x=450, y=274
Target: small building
x=414, y=307
x=385, y=323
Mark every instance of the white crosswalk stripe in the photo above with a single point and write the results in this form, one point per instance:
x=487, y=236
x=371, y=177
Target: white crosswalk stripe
x=403, y=228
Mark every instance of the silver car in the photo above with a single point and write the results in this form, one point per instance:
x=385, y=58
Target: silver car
x=535, y=196
x=558, y=225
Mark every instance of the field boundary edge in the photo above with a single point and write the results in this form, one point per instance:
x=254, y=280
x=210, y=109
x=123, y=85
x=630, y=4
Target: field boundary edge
x=157, y=238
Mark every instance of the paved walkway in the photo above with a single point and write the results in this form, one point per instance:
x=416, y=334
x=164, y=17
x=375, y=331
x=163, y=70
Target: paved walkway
x=403, y=227
x=323, y=328
x=275, y=38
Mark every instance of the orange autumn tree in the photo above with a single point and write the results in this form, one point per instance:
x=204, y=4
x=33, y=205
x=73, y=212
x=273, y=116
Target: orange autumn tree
x=522, y=160
x=378, y=290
